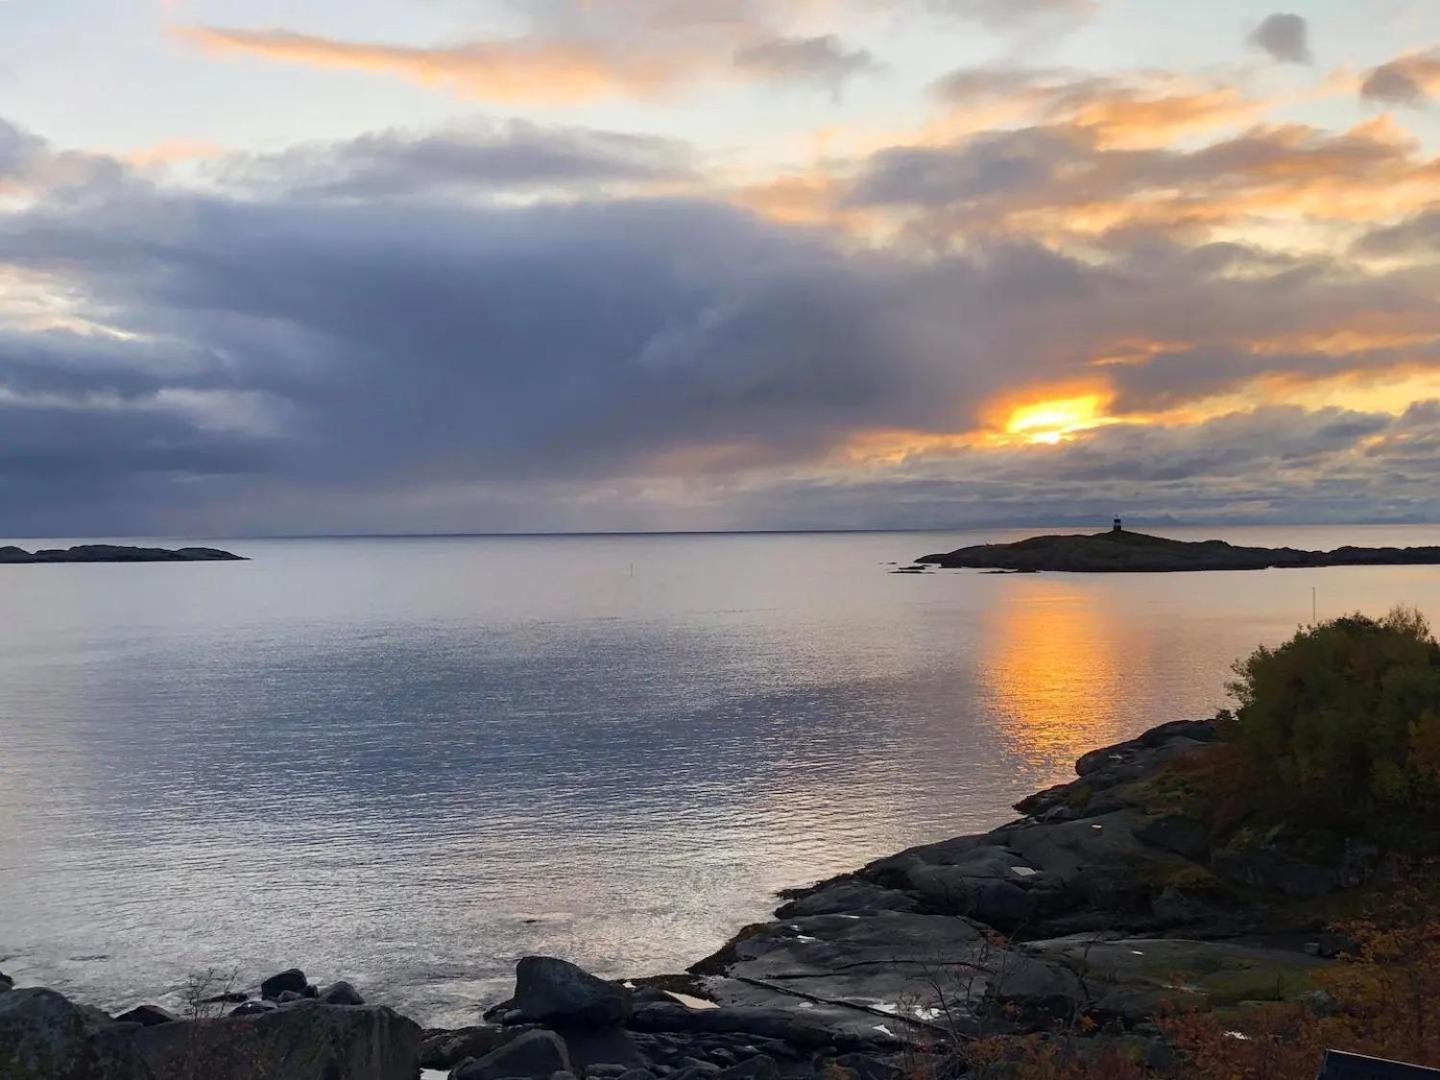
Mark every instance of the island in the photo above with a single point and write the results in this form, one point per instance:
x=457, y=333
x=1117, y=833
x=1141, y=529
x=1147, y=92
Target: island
x=115, y=553
x=1122, y=551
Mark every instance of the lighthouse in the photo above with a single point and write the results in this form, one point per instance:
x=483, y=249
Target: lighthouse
x=1119, y=526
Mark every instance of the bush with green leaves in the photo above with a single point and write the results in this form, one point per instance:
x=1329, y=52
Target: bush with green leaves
x=1342, y=722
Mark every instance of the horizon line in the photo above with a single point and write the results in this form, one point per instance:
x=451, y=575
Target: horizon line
x=592, y=533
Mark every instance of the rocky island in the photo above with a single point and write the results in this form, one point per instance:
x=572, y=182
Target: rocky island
x=115, y=553
x=1173, y=911
x=1123, y=551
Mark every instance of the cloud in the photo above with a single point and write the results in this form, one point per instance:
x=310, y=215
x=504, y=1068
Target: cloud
x=512, y=326
x=1285, y=37
x=1407, y=80
x=1140, y=108
x=821, y=60
x=478, y=158
x=1066, y=178
x=532, y=69
x=577, y=54
x=1002, y=13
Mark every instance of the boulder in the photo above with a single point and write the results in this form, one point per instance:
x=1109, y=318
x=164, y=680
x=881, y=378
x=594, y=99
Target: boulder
x=446, y=1049
x=146, y=1016
x=536, y=1053
x=588, y=1047
x=553, y=991
x=6, y=982
x=304, y=1041
x=341, y=993
x=292, y=980
x=43, y=1036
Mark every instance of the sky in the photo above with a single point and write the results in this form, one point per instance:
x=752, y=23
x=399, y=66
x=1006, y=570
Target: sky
x=574, y=265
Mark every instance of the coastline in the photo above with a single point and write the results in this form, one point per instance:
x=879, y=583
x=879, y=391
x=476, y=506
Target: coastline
x=1041, y=917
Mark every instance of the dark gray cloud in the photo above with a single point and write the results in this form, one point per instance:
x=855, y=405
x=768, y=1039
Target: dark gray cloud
x=822, y=60
x=1285, y=36
x=1407, y=80
x=294, y=356
x=477, y=159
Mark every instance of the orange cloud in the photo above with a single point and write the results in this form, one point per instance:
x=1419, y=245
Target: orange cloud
x=1140, y=109
x=1411, y=79
x=529, y=69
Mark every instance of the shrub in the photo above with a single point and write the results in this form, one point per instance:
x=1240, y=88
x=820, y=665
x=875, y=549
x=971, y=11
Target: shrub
x=1341, y=724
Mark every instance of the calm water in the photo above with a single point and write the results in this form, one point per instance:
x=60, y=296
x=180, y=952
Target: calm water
x=408, y=762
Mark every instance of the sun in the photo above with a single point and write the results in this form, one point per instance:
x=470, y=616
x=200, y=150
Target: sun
x=1048, y=423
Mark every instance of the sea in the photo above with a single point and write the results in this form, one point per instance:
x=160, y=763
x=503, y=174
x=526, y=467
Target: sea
x=408, y=762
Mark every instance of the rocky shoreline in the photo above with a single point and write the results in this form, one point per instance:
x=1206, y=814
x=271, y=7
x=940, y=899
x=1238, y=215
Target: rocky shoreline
x=1100, y=902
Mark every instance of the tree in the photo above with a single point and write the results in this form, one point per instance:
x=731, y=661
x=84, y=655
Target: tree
x=1342, y=724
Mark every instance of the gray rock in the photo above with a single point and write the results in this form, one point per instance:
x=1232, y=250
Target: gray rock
x=447, y=1049
x=588, y=1046
x=1171, y=832
x=810, y=1029
x=758, y=1067
x=1175, y=908
x=563, y=1074
x=253, y=1008
x=847, y=897
x=536, y=1053
x=293, y=980
x=287, y=996
x=554, y=991
x=1273, y=871
x=146, y=1015
x=6, y=982
x=303, y=1041
x=637, y=1074
x=44, y=1036
x=607, y=1071
x=341, y=993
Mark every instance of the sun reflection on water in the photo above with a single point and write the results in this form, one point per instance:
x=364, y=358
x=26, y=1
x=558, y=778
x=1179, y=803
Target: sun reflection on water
x=1054, y=657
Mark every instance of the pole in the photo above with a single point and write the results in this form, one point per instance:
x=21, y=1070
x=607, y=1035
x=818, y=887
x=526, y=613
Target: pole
x=1313, y=618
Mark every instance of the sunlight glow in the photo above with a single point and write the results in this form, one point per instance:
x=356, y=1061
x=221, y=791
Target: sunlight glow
x=1052, y=422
